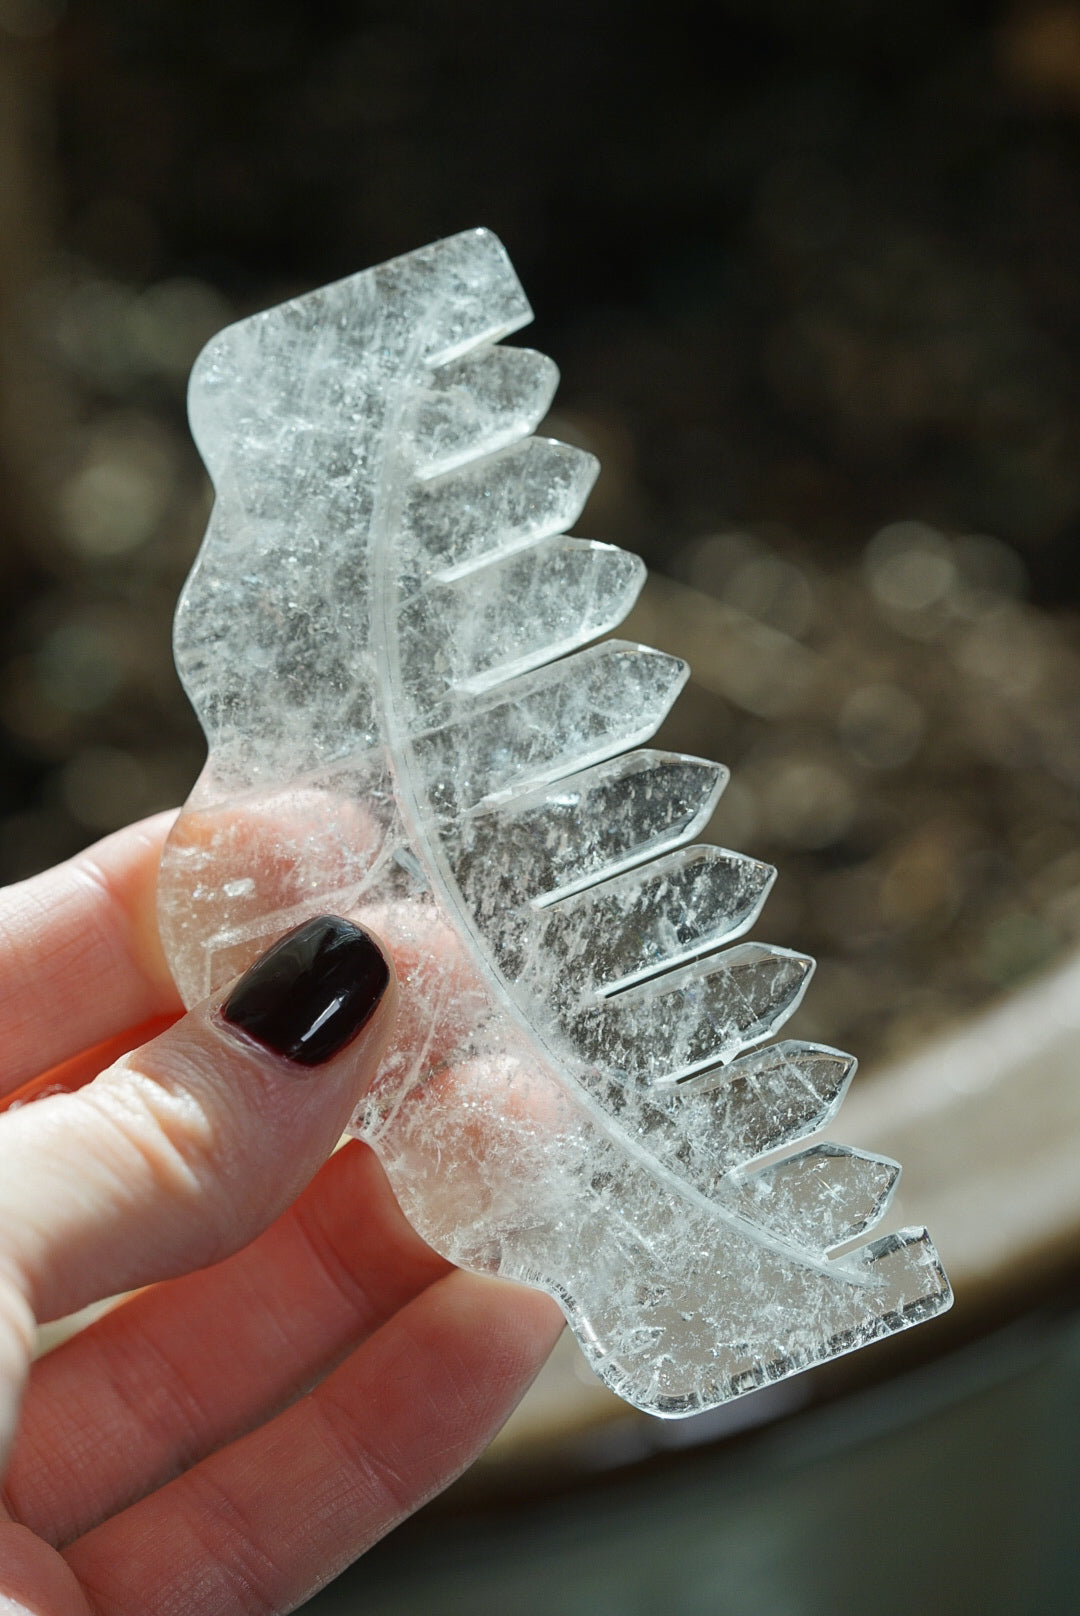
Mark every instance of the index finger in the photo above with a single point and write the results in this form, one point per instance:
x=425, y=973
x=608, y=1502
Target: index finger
x=80, y=958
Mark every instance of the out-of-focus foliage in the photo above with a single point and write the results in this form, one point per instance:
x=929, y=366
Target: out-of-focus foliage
x=815, y=299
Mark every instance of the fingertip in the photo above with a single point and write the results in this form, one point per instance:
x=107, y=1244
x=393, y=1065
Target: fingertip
x=314, y=992
x=530, y=1314
x=499, y=1331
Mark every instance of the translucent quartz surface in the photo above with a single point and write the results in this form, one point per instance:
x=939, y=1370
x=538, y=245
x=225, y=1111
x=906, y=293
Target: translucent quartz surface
x=385, y=637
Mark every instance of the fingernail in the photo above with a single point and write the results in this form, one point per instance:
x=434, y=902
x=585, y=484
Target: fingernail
x=312, y=992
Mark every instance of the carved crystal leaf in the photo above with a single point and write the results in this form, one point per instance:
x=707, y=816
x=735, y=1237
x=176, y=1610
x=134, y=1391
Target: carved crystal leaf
x=385, y=638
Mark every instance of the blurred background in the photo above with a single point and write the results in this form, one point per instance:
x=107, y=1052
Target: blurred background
x=812, y=277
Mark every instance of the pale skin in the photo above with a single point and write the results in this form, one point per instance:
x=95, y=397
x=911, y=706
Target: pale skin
x=300, y=1373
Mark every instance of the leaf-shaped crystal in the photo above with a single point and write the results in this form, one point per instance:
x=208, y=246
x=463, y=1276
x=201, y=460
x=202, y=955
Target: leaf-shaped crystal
x=385, y=639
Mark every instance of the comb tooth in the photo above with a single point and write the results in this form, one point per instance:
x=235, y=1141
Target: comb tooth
x=549, y=723
x=478, y=296
x=514, y=615
x=479, y=404
x=821, y=1197
x=653, y=918
x=756, y=1104
x=571, y=834
x=491, y=507
x=675, y=1025
x=766, y=1099
x=540, y=604
x=910, y=1284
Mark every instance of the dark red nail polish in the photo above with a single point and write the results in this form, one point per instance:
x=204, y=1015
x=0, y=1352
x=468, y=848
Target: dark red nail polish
x=312, y=992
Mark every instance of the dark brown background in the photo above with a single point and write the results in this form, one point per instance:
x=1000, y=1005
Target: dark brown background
x=804, y=279
x=810, y=271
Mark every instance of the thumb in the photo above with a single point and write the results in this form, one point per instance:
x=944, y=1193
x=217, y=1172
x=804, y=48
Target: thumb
x=187, y=1148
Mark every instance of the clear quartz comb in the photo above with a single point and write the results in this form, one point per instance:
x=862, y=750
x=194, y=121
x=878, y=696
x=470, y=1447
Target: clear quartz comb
x=386, y=636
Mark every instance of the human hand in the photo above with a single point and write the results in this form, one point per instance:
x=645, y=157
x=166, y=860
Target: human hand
x=302, y=1373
